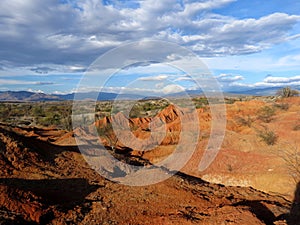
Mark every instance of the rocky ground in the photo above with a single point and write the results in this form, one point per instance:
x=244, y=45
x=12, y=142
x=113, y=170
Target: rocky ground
x=44, y=179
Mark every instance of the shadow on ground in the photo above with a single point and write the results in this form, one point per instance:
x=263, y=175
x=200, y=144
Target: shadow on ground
x=63, y=192
x=294, y=217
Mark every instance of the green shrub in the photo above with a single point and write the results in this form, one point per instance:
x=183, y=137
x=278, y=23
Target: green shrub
x=38, y=111
x=200, y=102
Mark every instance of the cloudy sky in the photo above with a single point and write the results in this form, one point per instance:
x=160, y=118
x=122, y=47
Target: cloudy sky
x=49, y=45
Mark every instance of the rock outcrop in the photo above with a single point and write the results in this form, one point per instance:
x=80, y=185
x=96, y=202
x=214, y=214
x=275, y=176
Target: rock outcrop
x=42, y=182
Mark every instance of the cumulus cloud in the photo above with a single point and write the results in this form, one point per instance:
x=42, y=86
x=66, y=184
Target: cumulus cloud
x=229, y=78
x=154, y=78
x=270, y=81
x=35, y=32
x=281, y=80
x=172, y=88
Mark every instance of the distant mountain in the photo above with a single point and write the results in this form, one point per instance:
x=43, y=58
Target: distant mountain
x=191, y=93
x=262, y=91
x=102, y=96
x=26, y=96
x=88, y=95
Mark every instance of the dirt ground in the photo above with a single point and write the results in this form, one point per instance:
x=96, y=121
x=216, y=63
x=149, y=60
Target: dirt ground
x=44, y=178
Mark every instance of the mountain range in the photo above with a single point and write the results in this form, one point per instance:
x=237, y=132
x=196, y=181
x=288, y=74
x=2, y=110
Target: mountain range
x=27, y=96
x=33, y=96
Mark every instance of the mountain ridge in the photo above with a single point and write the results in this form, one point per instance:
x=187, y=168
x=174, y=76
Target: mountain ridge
x=29, y=96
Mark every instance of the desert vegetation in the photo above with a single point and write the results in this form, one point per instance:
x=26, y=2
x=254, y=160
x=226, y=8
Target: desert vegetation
x=287, y=92
x=38, y=142
x=245, y=121
x=268, y=136
x=291, y=156
x=58, y=114
x=55, y=114
x=266, y=114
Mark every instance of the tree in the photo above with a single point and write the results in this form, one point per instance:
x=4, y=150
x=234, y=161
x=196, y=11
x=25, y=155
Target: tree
x=287, y=92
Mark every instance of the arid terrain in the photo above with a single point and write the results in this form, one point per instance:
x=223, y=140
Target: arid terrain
x=44, y=178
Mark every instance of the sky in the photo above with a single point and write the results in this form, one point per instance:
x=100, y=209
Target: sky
x=49, y=46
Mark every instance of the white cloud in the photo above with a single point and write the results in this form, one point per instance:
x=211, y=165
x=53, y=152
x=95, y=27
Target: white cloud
x=183, y=78
x=35, y=91
x=172, y=88
x=256, y=62
x=290, y=60
x=77, y=68
x=159, y=85
x=192, y=8
x=60, y=92
x=281, y=80
x=160, y=89
x=270, y=81
x=14, y=82
x=75, y=33
x=229, y=78
x=154, y=78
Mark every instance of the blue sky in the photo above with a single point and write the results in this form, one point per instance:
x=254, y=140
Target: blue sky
x=47, y=46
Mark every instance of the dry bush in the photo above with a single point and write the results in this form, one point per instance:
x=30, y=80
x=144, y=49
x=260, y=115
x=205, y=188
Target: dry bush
x=245, y=121
x=266, y=114
x=287, y=92
x=268, y=136
x=291, y=157
x=282, y=105
x=296, y=127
